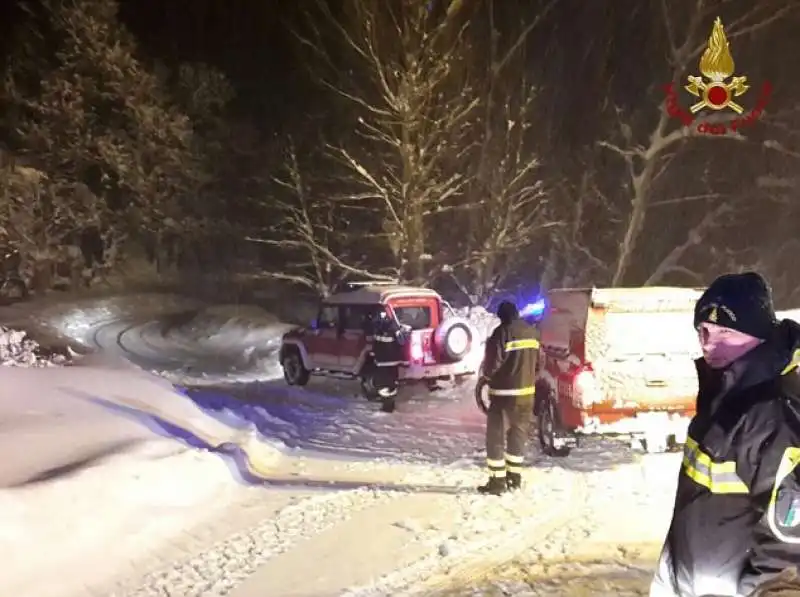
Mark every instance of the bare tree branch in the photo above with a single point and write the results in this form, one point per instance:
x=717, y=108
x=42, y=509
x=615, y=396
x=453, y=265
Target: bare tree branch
x=694, y=238
x=648, y=161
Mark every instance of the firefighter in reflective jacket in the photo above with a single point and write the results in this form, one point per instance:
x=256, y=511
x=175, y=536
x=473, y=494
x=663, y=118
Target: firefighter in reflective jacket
x=736, y=520
x=387, y=350
x=510, y=370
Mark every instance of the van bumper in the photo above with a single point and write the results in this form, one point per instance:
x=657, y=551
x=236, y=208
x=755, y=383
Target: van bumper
x=640, y=424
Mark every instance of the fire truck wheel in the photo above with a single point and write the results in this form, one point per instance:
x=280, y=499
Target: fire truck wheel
x=548, y=432
x=540, y=397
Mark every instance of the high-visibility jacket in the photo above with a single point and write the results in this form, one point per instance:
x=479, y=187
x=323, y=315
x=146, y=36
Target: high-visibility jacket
x=387, y=345
x=736, y=520
x=510, y=362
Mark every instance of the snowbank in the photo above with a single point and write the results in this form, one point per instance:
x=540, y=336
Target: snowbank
x=60, y=418
x=224, y=327
x=79, y=320
x=95, y=454
x=243, y=339
x=16, y=350
x=483, y=320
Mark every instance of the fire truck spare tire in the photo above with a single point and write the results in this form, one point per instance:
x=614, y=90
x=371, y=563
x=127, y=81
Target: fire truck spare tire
x=548, y=431
x=455, y=337
x=294, y=371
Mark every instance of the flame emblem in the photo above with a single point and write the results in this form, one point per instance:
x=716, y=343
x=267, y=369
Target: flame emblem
x=716, y=64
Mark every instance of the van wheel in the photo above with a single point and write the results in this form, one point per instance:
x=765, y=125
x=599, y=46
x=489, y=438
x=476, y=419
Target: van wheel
x=294, y=372
x=548, y=431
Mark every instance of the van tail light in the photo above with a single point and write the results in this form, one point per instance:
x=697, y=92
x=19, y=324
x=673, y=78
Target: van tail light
x=585, y=389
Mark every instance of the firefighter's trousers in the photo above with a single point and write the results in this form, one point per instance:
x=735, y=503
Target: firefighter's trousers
x=508, y=421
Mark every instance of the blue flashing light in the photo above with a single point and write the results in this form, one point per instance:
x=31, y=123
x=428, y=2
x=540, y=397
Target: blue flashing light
x=535, y=309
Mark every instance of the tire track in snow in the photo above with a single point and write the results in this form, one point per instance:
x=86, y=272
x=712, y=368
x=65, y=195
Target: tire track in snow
x=219, y=569
x=456, y=564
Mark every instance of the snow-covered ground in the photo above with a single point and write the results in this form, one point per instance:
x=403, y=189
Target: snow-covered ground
x=381, y=504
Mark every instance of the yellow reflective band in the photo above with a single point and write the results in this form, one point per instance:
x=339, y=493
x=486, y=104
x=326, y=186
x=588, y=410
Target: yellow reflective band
x=513, y=459
x=789, y=462
x=496, y=463
x=521, y=344
x=514, y=468
x=717, y=477
x=793, y=364
x=513, y=392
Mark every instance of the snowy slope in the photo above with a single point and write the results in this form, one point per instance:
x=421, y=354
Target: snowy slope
x=83, y=472
x=383, y=504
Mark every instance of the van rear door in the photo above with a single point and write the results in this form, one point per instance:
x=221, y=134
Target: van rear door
x=644, y=359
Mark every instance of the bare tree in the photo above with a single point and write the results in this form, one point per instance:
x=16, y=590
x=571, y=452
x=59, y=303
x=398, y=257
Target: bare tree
x=577, y=253
x=410, y=111
x=646, y=161
x=310, y=234
x=506, y=208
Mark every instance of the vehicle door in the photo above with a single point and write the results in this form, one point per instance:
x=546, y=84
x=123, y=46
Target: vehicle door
x=646, y=359
x=356, y=325
x=323, y=341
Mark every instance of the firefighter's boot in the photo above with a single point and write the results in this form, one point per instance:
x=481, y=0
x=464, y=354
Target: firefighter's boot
x=495, y=486
x=514, y=481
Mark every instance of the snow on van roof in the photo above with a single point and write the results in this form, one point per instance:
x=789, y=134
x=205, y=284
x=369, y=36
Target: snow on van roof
x=371, y=295
x=602, y=296
x=648, y=297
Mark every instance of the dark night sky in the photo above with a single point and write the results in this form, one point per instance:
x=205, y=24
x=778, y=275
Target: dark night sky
x=581, y=52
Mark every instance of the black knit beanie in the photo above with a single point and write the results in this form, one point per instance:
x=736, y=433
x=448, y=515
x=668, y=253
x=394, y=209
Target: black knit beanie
x=507, y=312
x=741, y=302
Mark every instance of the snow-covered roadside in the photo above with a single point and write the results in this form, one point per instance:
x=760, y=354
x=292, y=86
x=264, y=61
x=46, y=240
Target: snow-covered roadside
x=609, y=549
x=597, y=515
x=71, y=536
x=17, y=350
x=89, y=465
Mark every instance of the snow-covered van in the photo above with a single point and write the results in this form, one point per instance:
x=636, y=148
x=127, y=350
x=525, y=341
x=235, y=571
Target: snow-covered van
x=617, y=362
x=439, y=346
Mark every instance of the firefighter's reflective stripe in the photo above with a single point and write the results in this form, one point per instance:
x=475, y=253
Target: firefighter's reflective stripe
x=793, y=364
x=717, y=477
x=790, y=517
x=521, y=344
x=384, y=338
x=497, y=468
x=529, y=391
x=514, y=463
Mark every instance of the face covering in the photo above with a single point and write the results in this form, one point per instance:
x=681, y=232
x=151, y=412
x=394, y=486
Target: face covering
x=722, y=346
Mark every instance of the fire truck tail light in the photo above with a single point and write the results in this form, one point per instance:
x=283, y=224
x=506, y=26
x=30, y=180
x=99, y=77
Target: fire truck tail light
x=585, y=389
x=584, y=380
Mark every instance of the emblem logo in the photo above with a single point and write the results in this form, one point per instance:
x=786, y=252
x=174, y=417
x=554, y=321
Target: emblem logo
x=716, y=90
x=716, y=65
